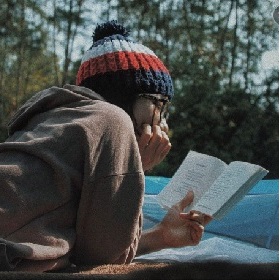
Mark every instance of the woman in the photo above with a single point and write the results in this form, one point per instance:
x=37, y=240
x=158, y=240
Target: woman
x=72, y=169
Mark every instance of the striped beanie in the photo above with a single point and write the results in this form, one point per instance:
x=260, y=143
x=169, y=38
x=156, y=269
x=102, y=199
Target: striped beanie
x=119, y=69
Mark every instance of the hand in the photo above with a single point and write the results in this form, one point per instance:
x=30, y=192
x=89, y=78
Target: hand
x=183, y=229
x=177, y=229
x=154, y=145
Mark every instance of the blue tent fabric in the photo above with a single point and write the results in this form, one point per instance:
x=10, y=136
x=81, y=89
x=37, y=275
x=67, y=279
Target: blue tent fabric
x=255, y=219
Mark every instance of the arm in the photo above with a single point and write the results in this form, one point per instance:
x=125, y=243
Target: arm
x=177, y=229
x=108, y=222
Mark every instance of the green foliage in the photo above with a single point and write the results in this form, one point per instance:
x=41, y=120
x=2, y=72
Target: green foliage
x=213, y=50
x=224, y=104
x=234, y=125
x=24, y=63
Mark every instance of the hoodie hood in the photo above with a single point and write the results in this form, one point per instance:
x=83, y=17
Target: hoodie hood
x=49, y=99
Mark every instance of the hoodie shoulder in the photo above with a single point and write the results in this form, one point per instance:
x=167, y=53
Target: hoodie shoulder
x=49, y=99
x=84, y=91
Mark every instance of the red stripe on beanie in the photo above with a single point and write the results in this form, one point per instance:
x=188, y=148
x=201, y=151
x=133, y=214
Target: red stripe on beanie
x=112, y=62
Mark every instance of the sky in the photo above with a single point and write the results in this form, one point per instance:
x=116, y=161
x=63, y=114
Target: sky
x=270, y=59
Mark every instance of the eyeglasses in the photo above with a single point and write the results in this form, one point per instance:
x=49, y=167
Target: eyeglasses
x=160, y=103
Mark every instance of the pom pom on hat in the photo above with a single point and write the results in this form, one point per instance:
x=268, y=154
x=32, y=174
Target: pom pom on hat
x=119, y=69
x=108, y=29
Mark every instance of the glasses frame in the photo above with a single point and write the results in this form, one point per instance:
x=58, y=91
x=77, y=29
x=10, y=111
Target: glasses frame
x=165, y=101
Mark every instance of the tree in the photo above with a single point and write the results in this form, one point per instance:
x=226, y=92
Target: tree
x=67, y=20
x=223, y=105
x=23, y=51
x=212, y=49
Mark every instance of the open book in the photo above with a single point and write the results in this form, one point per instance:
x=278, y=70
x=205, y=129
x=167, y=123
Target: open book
x=217, y=186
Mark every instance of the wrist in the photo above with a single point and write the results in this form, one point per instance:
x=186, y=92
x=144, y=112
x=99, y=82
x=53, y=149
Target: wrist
x=151, y=240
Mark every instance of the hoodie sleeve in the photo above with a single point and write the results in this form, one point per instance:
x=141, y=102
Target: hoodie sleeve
x=109, y=219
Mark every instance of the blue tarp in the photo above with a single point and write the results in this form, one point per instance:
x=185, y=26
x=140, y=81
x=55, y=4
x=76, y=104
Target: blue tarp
x=255, y=219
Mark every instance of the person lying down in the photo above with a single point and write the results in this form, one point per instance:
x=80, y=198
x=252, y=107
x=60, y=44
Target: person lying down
x=72, y=168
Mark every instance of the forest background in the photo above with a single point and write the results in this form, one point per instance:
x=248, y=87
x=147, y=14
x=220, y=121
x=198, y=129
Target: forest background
x=226, y=91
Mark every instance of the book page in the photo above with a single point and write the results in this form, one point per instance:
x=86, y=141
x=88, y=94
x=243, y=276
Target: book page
x=237, y=179
x=197, y=173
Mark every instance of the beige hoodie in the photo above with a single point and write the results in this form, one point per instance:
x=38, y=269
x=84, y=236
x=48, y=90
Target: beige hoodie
x=71, y=183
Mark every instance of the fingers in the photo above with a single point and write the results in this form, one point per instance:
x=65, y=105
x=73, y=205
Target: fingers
x=164, y=146
x=196, y=226
x=207, y=219
x=156, y=139
x=164, y=126
x=196, y=233
x=159, y=145
x=201, y=218
x=186, y=201
x=152, y=137
x=196, y=216
x=193, y=215
x=145, y=137
x=154, y=145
